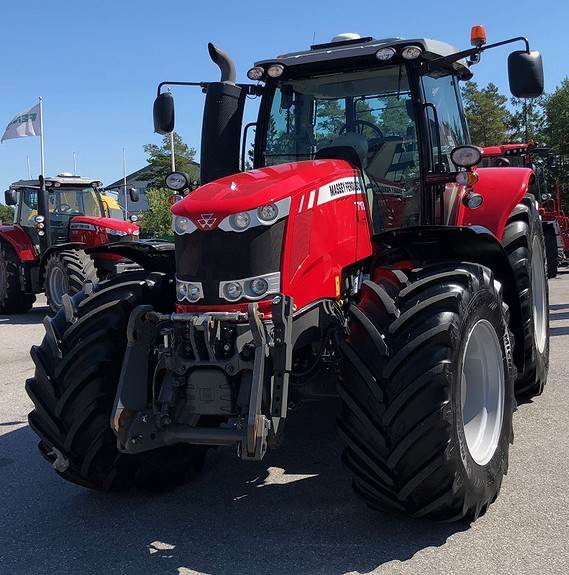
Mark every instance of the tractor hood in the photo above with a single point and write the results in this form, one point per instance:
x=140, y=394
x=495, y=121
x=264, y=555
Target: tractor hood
x=248, y=190
x=109, y=225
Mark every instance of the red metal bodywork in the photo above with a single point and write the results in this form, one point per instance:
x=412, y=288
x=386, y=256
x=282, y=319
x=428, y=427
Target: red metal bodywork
x=20, y=241
x=502, y=189
x=326, y=231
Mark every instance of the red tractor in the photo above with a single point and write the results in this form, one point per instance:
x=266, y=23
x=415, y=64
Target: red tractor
x=365, y=257
x=57, y=219
x=557, y=231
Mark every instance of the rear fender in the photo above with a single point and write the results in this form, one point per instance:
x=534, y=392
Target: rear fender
x=428, y=244
x=502, y=189
x=20, y=242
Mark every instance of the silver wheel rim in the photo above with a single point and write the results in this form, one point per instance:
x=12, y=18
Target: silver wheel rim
x=482, y=391
x=57, y=283
x=538, y=287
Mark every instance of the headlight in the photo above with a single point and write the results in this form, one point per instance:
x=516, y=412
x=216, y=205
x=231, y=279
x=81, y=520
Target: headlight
x=384, y=54
x=182, y=225
x=411, y=52
x=189, y=291
x=466, y=156
x=232, y=291
x=240, y=221
x=256, y=73
x=268, y=213
x=39, y=219
x=181, y=290
x=259, y=286
x=275, y=70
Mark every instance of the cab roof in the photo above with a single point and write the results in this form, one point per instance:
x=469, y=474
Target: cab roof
x=361, y=51
x=51, y=180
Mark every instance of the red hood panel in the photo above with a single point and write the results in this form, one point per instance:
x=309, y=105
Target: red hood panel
x=109, y=223
x=248, y=190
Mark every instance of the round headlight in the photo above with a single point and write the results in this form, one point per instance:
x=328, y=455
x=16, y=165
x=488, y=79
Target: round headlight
x=240, y=221
x=39, y=219
x=256, y=73
x=411, y=52
x=194, y=293
x=232, y=291
x=181, y=290
x=41, y=233
x=466, y=156
x=177, y=181
x=268, y=213
x=182, y=225
x=259, y=286
x=385, y=54
x=275, y=70
x=473, y=201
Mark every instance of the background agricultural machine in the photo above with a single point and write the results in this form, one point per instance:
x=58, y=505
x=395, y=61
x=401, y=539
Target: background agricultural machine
x=56, y=220
x=364, y=257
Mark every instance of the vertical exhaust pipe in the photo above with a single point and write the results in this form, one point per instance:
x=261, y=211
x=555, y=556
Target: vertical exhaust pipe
x=222, y=120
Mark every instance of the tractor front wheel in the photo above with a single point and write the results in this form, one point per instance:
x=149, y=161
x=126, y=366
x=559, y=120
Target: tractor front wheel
x=12, y=298
x=78, y=366
x=551, y=251
x=427, y=392
x=524, y=244
x=66, y=272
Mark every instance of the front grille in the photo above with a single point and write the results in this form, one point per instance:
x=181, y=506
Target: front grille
x=211, y=257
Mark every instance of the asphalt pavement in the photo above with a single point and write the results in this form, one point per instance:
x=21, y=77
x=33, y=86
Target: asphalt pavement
x=294, y=513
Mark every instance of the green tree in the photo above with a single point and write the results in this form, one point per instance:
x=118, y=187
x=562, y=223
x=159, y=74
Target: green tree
x=489, y=120
x=160, y=159
x=6, y=214
x=528, y=120
x=557, y=118
x=157, y=219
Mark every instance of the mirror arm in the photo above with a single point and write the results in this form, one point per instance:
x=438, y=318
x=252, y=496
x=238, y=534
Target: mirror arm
x=244, y=143
x=432, y=64
x=250, y=89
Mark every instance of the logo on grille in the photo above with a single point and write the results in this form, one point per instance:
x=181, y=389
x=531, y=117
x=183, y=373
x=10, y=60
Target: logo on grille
x=206, y=221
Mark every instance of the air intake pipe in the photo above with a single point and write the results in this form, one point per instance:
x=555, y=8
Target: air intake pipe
x=222, y=120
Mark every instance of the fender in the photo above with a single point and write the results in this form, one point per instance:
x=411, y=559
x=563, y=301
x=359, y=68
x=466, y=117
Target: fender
x=469, y=244
x=502, y=189
x=152, y=255
x=20, y=241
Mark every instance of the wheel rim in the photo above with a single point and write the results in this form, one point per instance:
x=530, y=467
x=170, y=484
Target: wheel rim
x=57, y=283
x=482, y=391
x=538, y=287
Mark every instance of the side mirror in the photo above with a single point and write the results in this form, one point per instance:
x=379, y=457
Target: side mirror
x=10, y=197
x=164, y=113
x=525, y=73
x=133, y=195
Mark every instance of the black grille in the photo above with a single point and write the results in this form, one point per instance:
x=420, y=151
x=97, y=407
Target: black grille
x=211, y=257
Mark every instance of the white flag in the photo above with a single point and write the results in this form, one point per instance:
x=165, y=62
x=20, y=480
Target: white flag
x=24, y=124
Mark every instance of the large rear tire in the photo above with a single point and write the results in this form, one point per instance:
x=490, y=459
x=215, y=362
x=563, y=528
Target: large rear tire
x=77, y=372
x=12, y=298
x=422, y=365
x=551, y=250
x=66, y=272
x=524, y=244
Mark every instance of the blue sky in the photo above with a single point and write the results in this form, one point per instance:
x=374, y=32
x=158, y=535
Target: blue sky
x=97, y=64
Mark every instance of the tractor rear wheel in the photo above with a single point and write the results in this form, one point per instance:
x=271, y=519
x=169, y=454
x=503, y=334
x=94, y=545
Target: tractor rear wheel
x=77, y=372
x=12, y=298
x=66, y=272
x=524, y=244
x=427, y=392
x=551, y=251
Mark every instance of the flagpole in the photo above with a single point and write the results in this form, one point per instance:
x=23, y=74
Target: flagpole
x=74, y=164
x=41, y=138
x=29, y=169
x=124, y=183
x=172, y=152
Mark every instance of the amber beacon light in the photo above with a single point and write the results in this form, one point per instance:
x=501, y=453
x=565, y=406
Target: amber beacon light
x=477, y=35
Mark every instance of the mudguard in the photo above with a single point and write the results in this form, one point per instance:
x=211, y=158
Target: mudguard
x=502, y=189
x=469, y=244
x=20, y=242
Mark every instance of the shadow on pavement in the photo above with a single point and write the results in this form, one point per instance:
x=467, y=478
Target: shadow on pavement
x=228, y=521
x=556, y=306
x=34, y=316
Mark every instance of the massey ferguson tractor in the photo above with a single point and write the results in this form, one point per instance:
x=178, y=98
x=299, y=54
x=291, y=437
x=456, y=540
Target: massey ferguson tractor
x=44, y=250
x=365, y=257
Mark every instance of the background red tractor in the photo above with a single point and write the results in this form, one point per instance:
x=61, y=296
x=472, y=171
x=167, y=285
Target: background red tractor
x=56, y=220
x=365, y=257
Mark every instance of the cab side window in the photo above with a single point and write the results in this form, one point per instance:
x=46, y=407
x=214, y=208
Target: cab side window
x=445, y=118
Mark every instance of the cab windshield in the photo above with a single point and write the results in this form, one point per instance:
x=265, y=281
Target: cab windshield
x=370, y=110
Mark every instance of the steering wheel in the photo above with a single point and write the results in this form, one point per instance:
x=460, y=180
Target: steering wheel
x=359, y=126
x=65, y=208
